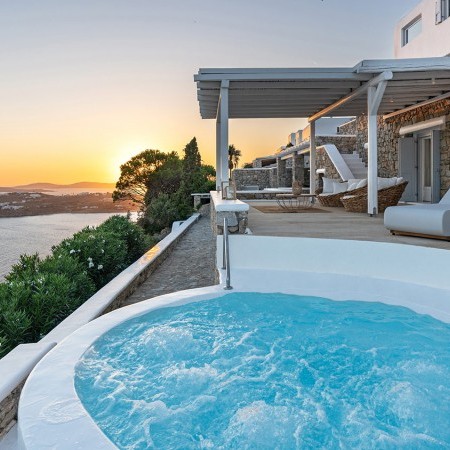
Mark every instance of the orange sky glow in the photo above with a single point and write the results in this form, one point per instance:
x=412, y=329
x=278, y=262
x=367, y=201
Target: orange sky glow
x=86, y=85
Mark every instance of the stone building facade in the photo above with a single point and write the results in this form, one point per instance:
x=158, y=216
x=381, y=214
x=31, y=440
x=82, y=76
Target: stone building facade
x=352, y=137
x=389, y=135
x=324, y=162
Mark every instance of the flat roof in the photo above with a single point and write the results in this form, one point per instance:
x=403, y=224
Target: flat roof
x=303, y=92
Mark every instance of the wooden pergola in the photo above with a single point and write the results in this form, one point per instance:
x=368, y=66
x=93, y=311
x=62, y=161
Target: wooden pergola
x=372, y=87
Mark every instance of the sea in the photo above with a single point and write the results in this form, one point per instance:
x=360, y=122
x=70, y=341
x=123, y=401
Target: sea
x=37, y=234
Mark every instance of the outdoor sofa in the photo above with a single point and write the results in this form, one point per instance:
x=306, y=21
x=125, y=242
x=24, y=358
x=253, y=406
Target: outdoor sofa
x=352, y=194
x=390, y=191
x=423, y=220
x=332, y=190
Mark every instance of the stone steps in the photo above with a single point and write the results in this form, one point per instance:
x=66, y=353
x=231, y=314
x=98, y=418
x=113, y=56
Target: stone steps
x=355, y=164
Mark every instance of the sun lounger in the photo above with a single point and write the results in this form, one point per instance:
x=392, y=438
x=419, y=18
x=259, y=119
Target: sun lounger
x=424, y=220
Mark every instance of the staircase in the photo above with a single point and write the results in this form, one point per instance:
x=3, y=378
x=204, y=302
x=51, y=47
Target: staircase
x=355, y=164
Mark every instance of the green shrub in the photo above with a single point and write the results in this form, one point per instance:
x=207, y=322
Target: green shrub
x=40, y=293
x=31, y=267
x=136, y=241
x=160, y=213
x=103, y=254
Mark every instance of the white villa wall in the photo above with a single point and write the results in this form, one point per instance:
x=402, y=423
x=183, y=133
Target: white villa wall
x=434, y=39
x=291, y=138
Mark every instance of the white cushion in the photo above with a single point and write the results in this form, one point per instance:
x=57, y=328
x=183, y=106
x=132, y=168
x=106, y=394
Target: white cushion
x=339, y=187
x=386, y=182
x=352, y=183
x=328, y=185
x=445, y=200
x=349, y=196
x=362, y=183
x=424, y=219
x=400, y=180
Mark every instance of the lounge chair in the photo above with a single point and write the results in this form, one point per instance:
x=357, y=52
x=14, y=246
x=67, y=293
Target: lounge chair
x=331, y=193
x=423, y=220
x=388, y=196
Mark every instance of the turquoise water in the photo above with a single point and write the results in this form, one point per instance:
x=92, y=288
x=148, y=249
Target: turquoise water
x=271, y=371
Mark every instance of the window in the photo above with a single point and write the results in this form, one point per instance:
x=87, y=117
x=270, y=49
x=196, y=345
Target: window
x=412, y=30
x=442, y=10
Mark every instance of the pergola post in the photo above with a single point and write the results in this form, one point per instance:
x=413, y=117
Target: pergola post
x=218, y=159
x=223, y=136
x=312, y=158
x=374, y=97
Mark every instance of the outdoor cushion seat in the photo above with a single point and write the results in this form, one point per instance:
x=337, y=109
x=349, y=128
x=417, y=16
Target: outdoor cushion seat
x=334, y=200
x=388, y=196
x=425, y=220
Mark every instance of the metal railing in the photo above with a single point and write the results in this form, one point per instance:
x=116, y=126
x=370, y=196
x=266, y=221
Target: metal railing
x=226, y=254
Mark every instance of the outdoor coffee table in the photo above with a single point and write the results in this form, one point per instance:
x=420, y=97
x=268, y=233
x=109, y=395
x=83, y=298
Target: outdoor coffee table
x=291, y=202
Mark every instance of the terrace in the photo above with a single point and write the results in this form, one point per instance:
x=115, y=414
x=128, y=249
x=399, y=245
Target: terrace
x=373, y=87
x=265, y=218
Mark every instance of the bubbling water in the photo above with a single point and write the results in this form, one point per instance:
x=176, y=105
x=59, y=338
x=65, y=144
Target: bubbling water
x=271, y=371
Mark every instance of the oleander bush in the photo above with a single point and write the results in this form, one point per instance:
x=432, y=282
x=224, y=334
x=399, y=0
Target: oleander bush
x=37, y=295
x=40, y=293
x=103, y=254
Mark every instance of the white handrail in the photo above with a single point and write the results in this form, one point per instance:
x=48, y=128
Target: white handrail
x=226, y=255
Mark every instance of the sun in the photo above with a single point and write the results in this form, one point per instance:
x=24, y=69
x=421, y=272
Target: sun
x=121, y=157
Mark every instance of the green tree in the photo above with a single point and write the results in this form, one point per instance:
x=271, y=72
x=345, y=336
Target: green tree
x=140, y=174
x=195, y=175
x=166, y=179
x=234, y=155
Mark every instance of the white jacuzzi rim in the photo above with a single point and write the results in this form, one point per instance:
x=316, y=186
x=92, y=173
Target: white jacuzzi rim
x=61, y=389
x=58, y=367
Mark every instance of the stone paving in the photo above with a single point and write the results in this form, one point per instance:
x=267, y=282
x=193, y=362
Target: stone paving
x=190, y=265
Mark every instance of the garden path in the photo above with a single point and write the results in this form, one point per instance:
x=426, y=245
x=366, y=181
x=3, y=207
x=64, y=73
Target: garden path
x=190, y=265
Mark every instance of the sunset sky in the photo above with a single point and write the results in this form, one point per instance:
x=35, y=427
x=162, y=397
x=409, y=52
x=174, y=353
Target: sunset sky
x=87, y=84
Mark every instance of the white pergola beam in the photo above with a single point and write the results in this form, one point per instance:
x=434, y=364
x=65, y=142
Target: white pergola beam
x=384, y=76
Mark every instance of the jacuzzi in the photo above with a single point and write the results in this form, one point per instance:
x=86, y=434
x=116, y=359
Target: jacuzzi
x=50, y=412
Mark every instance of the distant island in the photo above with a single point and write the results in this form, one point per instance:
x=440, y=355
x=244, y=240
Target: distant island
x=35, y=199
x=39, y=187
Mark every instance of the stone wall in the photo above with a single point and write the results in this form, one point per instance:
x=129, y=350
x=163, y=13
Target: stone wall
x=8, y=408
x=348, y=128
x=323, y=161
x=282, y=174
x=345, y=144
x=263, y=178
x=388, y=135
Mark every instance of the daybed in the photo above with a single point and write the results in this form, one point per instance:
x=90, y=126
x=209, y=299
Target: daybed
x=332, y=190
x=387, y=196
x=423, y=220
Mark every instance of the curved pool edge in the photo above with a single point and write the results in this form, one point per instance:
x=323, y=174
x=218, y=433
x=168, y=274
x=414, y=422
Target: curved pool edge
x=50, y=413
x=52, y=416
